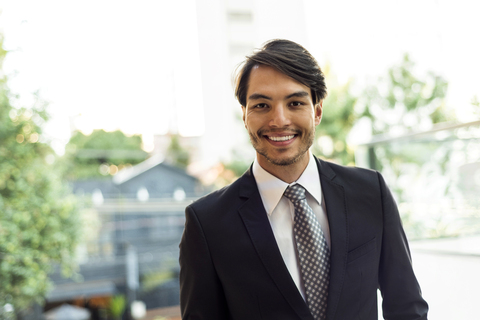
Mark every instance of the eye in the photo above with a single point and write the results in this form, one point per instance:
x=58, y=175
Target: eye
x=260, y=106
x=296, y=104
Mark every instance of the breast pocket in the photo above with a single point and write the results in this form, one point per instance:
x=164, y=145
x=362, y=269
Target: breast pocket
x=362, y=261
x=366, y=249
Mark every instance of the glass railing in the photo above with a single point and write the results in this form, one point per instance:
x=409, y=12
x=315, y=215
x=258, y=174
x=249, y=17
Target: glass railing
x=434, y=176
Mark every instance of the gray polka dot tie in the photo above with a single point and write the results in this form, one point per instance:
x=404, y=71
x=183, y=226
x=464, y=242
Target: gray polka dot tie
x=313, y=252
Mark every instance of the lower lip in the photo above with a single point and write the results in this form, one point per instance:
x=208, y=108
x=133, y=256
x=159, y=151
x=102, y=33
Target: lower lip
x=281, y=143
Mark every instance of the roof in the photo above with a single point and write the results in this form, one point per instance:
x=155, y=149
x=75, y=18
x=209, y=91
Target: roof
x=129, y=173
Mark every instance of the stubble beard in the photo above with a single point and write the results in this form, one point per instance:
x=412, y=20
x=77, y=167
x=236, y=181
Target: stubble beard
x=305, y=144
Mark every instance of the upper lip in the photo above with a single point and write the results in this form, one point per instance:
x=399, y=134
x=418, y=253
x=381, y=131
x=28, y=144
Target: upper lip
x=279, y=134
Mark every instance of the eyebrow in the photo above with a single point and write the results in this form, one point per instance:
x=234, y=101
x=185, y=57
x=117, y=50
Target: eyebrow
x=257, y=96
x=298, y=94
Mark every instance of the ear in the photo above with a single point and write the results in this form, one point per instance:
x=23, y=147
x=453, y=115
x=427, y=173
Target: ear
x=318, y=112
x=244, y=109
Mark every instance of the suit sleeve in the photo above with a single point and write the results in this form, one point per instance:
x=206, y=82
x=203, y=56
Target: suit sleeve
x=402, y=297
x=201, y=293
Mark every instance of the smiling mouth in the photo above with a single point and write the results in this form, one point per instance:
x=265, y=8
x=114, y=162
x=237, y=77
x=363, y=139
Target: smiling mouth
x=284, y=138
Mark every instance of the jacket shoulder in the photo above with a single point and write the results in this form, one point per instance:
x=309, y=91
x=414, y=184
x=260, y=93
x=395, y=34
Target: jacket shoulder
x=348, y=173
x=225, y=198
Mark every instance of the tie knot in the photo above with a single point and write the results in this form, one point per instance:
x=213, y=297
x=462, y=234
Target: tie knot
x=295, y=193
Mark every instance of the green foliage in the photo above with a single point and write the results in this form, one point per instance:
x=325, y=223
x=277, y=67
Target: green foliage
x=38, y=215
x=338, y=119
x=402, y=101
x=102, y=140
x=238, y=165
x=85, y=155
x=117, y=306
x=176, y=154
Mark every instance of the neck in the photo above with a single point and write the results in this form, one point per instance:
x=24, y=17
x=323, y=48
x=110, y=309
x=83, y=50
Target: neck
x=289, y=173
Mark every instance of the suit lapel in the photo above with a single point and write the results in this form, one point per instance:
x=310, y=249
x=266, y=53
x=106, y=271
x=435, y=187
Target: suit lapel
x=258, y=227
x=334, y=197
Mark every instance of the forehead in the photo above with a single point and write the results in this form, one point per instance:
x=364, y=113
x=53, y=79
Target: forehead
x=269, y=81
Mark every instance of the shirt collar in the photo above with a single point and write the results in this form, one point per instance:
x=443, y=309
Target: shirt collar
x=271, y=188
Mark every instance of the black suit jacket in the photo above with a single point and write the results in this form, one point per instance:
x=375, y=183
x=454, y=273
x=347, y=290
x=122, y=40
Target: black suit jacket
x=231, y=267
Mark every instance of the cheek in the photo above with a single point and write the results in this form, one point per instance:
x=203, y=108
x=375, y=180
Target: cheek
x=248, y=125
x=306, y=121
x=250, y=122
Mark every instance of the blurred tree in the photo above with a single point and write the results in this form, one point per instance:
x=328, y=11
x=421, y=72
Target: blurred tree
x=403, y=102
x=101, y=153
x=38, y=214
x=407, y=101
x=338, y=118
x=237, y=166
x=176, y=154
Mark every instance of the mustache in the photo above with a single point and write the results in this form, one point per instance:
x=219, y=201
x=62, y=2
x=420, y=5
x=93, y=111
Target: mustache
x=263, y=132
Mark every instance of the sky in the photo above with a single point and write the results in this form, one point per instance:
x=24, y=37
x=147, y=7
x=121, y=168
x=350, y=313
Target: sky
x=370, y=36
x=103, y=64
x=114, y=64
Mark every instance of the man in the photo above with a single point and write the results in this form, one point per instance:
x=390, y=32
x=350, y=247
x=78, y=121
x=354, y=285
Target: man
x=295, y=237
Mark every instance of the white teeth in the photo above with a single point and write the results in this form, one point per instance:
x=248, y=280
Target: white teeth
x=285, y=138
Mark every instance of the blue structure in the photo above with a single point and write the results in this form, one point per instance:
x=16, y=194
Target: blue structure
x=141, y=210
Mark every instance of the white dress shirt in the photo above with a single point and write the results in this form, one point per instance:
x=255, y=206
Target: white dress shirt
x=281, y=211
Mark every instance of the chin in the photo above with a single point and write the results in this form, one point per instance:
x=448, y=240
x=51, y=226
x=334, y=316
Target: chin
x=283, y=161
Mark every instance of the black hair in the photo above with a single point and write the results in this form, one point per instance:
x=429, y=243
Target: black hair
x=290, y=59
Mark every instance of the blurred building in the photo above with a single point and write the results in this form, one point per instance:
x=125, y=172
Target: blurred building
x=135, y=221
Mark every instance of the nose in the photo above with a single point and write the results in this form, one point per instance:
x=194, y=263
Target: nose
x=279, y=117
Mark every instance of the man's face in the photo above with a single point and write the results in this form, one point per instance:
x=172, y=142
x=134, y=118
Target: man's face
x=280, y=117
